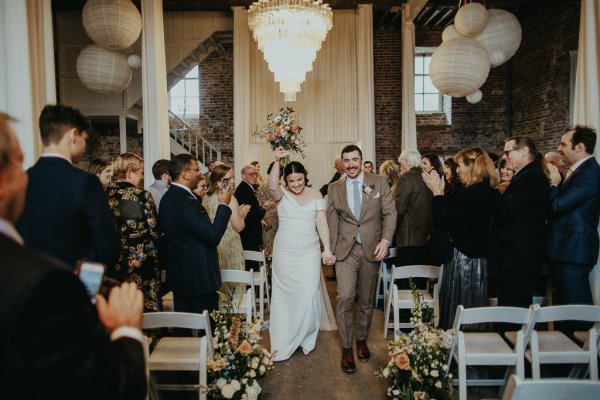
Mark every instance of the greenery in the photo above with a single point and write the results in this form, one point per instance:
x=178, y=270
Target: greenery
x=282, y=130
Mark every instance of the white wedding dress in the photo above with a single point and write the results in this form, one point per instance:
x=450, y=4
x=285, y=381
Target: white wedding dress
x=299, y=294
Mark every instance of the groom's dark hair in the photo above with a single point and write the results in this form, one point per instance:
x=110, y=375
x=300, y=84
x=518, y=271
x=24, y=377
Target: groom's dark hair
x=350, y=148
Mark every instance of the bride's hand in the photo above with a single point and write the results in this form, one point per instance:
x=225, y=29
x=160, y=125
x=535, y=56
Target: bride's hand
x=327, y=257
x=281, y=153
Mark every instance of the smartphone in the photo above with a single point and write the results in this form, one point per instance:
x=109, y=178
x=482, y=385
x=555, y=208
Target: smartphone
x=91, y=274
x=225, y=184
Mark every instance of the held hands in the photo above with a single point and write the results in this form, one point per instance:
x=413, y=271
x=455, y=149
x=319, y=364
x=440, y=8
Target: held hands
x=555, y=177
x=434, y=182
x=281, y=153
x=381, y=249
x=327, y=257
x=123, y=308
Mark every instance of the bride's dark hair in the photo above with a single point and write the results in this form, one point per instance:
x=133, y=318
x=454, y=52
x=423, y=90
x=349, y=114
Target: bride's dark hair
x=295, y=167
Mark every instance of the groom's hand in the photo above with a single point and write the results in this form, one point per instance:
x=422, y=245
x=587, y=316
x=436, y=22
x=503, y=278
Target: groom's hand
x=381, y=249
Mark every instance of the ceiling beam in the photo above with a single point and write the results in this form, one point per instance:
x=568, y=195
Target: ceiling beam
x=413, y=8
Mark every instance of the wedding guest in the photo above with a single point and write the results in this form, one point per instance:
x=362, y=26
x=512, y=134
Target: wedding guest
x=431, y=162
x=54, y=344
x=391, y=172
x=467, y=218
x=103, y=170
x=556, y=158
x=521, y=224
x=66, y=214
x=270, y=221
x=135, y=213
x=414, y=206
x=338, y=165
x=451, y=180
x=368, y=167
x=229, y=250
x=259, y=179
x=162, y=180
x=200, y=190
x=191, y=238
x=506, y=175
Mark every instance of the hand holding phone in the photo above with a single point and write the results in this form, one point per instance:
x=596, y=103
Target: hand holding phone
x=225, y=184
x=91, y=274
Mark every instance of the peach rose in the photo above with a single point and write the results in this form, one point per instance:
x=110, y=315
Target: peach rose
x=245, y=348
x=402, y=361
x=270, y=136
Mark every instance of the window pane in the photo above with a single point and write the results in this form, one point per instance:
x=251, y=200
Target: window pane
x=418, y=64
x=428, y=86
x=426, y=61
x=418, y=102
x=178, y=90
x=193, y=73
x=418, y=84
x=193, y=105
x=192, y=87
x=178, y=105
x=432, y=102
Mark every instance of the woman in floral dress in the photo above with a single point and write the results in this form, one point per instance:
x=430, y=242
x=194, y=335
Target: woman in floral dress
x=136, y=218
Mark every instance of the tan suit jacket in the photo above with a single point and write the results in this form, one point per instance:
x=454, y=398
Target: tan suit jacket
x=377, y=216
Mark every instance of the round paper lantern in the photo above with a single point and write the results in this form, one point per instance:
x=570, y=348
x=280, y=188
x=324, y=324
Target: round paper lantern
x=449, y=33
x=459, y=66
x=501, y=36
x=112, y=24
x=134, y=61
x=475, y=97
x=103, y=71
x=471, y=19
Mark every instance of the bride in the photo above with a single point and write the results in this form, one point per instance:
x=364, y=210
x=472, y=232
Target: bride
x=297, y=302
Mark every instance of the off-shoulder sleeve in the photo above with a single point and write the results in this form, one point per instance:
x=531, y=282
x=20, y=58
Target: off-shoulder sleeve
x=321, y=205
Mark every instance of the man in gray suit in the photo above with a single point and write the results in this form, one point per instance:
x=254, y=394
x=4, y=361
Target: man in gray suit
x=361, y=218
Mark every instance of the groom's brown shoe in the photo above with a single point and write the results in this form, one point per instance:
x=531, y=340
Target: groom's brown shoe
x=362, y=351
x=348, y=365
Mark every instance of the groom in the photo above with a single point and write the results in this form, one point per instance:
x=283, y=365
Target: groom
x=362, y=220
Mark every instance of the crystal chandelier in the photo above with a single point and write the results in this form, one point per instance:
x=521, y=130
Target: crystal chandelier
x=289, y=33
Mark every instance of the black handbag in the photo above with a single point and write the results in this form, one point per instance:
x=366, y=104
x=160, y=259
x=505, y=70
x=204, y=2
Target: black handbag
x=440, y=247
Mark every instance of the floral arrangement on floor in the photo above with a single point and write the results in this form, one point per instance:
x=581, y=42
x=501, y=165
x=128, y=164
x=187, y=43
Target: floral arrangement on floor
x=418, y=366
x=283, y=130
x=239, y=358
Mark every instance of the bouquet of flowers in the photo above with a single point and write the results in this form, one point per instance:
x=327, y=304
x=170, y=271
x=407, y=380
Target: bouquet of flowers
x=418, y=367
x=239, y=358
x=282, y=130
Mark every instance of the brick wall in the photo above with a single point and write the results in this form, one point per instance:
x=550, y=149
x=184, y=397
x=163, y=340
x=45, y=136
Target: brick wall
x=104, y=142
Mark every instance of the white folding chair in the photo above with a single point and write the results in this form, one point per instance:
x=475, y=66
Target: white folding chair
x=262, y=282
x=403, y=299
x=488, y=348
x=242, y=302
x=168, y=302
x=179, y=353
x=554, y=347
x=383, y=276
x=551, y=389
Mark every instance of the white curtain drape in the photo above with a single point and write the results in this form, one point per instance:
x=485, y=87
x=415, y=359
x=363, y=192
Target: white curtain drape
x=409, y=120
x=587, y=96
x=335, y=103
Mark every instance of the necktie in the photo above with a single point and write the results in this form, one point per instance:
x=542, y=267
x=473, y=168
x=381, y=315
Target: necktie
x=568, y=173
x=356, y=196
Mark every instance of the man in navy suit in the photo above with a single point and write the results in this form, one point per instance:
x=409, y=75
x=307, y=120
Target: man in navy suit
x=66, y=211
x=53, y=345
x=191, y=239
x=572, y=246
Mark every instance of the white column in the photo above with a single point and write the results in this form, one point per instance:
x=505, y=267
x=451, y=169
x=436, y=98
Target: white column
x=23, y=91
x=365, y=89
x=123, y=133
x=241, y=88
x=154, y=87
x=409, y=120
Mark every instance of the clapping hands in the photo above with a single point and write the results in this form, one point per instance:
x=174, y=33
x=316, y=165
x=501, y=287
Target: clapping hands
x=434, y=182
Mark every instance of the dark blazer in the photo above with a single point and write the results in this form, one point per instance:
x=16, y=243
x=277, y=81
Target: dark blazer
x=66, y=214
x=414, y=205
x=52, y=345
x=521, y=220
x=325, y=187
x=251, y=235
x=574, y=211
x=191, y=242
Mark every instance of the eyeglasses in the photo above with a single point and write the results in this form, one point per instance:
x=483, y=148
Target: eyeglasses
x=507, y=152
x=251, y=173
x=193, y=169
x=203, y=186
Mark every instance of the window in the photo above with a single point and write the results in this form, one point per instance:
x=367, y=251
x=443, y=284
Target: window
x=427, y=98
x=184, y=97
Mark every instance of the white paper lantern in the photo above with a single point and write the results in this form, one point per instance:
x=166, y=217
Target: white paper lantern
x=470, y=19
x=475, y=97
x=103, y=71
x=449, y=33
x=501, y=36
x=112, y=24
x=134, y=61
x=459, y=66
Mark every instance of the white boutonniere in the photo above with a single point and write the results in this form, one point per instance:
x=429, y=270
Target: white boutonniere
x=368, y=190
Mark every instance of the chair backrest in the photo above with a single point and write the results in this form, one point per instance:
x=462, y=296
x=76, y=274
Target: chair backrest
x=511, y=315
x=416, y=271
x=571, y=312
x=237, y=276
x=169, y=319
x=251, y=255
x=392, y=252
x=551, y=389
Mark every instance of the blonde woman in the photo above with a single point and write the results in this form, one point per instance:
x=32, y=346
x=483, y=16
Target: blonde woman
x=390, y=170
x=135, y=214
